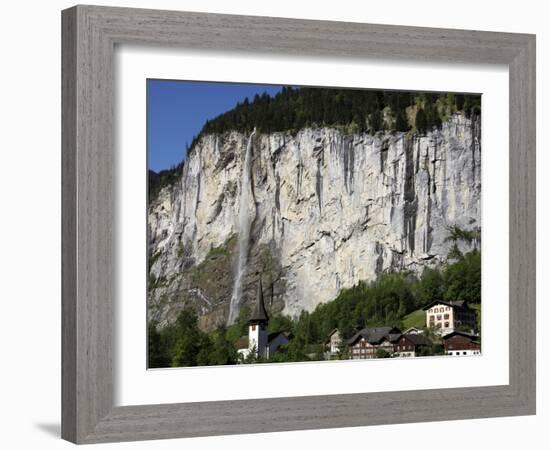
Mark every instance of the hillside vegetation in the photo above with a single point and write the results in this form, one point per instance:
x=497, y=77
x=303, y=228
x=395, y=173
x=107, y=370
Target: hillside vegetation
x=392, y=299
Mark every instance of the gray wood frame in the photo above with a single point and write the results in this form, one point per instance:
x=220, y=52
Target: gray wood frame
x=89, y=36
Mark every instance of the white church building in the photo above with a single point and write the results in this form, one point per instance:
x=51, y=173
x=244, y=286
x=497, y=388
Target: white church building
x=259, y=341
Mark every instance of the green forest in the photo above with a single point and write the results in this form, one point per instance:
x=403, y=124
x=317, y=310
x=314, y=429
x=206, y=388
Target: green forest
x=354, y=110
x=392, y=299
x=363, y=110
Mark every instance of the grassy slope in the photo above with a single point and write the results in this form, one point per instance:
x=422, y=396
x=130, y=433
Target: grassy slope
x=415, y=319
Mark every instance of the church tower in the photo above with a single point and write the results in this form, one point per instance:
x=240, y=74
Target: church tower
x=257, y=325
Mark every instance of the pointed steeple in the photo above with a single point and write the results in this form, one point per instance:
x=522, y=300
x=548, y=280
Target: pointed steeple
x=259, y=314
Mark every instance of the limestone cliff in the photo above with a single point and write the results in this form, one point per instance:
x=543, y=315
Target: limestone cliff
x=327, y=209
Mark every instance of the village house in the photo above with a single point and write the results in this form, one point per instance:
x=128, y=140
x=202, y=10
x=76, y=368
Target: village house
x=409, y=344
x=259, y=341
x=459, y=343
x=412, y=330
x=333, y=343
x=447, y=317
x=366, y=343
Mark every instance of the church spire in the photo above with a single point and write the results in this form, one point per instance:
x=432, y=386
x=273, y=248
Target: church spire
x=259, y=315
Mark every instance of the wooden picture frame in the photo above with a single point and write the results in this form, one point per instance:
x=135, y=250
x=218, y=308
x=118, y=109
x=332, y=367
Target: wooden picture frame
x=90, y=34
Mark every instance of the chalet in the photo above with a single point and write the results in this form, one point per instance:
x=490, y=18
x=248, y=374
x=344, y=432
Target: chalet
x=366, y=343
x=412, y=330
x=459, y=343
x=409, y=344
x=450, y=316
x=333, y=342
x=259, y=341
x=275, y=341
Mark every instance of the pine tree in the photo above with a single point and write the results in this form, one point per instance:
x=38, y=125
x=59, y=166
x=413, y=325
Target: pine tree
x=401, y=122
x=420, y=121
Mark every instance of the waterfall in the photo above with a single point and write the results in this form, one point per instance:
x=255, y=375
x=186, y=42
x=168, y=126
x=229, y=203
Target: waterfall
x=244, y=234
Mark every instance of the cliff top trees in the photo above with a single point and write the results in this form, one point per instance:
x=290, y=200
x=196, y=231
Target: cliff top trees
x=356, y=110
x=295, y=108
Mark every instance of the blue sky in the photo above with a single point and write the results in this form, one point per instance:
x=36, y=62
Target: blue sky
x=177, y=110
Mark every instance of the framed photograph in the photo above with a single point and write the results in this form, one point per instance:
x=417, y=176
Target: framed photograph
x=277, y=224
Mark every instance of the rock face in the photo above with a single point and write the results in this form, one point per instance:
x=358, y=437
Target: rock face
x=328, y=209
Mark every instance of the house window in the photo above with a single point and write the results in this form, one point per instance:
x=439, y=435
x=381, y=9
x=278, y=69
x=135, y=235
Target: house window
x=463, y=353
x=446, y=316
x=439, y=317
x=446, y=324
x=432, y=318
x=253, y=327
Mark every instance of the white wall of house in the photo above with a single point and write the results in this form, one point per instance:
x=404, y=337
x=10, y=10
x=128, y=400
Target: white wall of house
x=442, y=317
x=335, y=342
x=469, y=352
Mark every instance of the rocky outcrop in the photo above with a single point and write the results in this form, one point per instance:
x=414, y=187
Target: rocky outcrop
x=328, y=209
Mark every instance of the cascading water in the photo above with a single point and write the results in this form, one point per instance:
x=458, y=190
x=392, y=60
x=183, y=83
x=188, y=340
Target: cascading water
x=244, y=234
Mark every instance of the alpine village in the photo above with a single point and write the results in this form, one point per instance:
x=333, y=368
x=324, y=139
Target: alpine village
x=451, y=324
x=438, y=327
